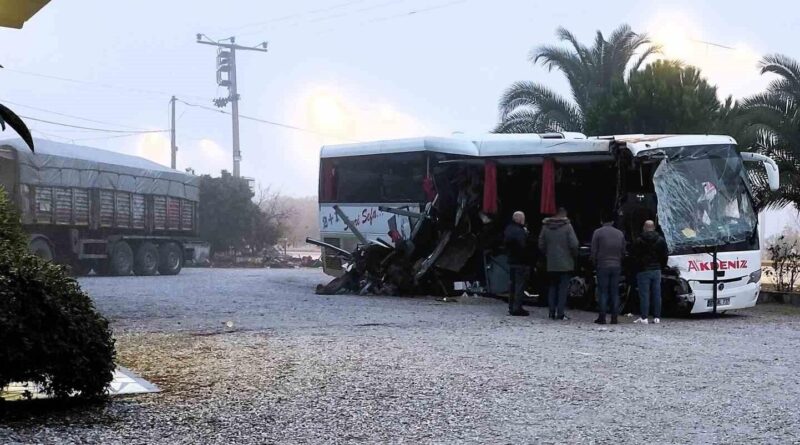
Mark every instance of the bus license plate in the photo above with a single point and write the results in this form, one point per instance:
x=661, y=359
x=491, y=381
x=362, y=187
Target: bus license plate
x=720, y=302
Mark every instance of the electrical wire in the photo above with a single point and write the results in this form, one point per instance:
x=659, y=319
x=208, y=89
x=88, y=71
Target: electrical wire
x=104, y=138
x=405, y=14
x=265, y=121
x=49, y=136
x=105, y=130
x=68, y=115
x=417, y=11
x=100, y=85
x=336, y=26
x=347, y=14
x=380, y=5
x=292, y=16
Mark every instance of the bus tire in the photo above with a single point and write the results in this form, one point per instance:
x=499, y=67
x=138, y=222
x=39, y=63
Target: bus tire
x=120, y=260
x=41, y=248
x=170, y=259
x=146, y=261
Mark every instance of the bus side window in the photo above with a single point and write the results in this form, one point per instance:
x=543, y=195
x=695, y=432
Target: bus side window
x=402, y=180
x=359, y=180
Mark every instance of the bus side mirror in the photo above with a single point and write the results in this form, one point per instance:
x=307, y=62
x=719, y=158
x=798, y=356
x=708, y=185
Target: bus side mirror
x=773, y=174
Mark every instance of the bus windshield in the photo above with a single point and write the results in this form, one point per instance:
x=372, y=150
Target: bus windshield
x=704, y=201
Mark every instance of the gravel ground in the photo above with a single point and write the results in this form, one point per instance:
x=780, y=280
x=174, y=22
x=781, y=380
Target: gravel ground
x=299, y=368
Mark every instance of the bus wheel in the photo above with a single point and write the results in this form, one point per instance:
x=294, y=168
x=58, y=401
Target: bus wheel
x=170, y=259
x=41, y=248
x=146, y=261
x=120, y=259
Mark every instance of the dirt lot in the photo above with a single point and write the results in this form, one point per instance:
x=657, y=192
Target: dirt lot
x=253, y=356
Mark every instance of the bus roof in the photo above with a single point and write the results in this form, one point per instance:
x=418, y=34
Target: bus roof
x=640, y=143
x=524, y=145
x=490, y=145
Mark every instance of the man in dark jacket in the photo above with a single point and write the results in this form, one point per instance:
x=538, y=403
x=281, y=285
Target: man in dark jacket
x=608, y=250
x=650, y=253
x=559, y=245
x=516, y=242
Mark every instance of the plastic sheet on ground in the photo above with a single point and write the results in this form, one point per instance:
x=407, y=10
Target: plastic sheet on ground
x=125, y=382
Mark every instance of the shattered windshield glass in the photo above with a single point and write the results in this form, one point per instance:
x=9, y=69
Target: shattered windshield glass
x=703, y=199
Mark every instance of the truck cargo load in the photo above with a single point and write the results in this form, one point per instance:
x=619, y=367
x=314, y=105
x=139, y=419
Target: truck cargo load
x=97, y=209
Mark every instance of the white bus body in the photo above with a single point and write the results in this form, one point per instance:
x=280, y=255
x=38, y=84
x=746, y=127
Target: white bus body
x=670, y=156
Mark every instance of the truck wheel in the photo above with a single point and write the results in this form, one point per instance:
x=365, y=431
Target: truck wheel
x=41, y=248
x=120, y=259
x=170, y=256
x=146, y=262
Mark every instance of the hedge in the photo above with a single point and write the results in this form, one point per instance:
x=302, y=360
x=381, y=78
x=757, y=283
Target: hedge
x=50, y=332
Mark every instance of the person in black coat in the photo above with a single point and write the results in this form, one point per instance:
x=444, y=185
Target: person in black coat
x=650, y=253
x=516, y=243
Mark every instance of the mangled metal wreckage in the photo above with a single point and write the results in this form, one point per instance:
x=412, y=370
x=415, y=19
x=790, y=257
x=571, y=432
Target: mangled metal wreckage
x=418, y=216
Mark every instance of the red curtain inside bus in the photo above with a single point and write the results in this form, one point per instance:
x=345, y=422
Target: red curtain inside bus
x=429, y=187
x=548, y=206
x=329, y=192
x=490, y=188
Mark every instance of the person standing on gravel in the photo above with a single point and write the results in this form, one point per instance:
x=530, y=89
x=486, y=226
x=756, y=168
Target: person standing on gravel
x=650, y=253
x=516, y=242
x=559, y=244
x=608, y=249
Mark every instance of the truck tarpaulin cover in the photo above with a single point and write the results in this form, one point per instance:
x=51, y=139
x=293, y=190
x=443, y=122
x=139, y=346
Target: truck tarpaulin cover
x=65, y=165
x=703, y=198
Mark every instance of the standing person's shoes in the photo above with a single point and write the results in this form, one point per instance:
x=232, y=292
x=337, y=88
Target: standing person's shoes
x=641, y=320
x=562, y=317
x=614, y=319
x=519, y=313
x=601, y=320
x=656, y=320
x=552, y=316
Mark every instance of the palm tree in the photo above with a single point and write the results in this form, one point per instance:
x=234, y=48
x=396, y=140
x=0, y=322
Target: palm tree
x=774, y=118
x=9, y=117
x=527, y=107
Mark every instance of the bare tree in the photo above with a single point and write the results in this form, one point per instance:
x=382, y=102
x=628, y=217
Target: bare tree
x=272, y=220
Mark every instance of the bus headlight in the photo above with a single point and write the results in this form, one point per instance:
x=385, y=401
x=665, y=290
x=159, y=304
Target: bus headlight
x=755, y=277
x=683, y=291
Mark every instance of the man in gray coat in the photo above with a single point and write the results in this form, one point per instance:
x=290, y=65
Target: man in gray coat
x=608, y=250
x=559, y=245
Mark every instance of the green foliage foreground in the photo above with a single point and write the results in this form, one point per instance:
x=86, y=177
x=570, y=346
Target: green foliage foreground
x=50, y=332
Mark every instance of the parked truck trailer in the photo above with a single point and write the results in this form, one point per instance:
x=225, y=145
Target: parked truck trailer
x=94, y=209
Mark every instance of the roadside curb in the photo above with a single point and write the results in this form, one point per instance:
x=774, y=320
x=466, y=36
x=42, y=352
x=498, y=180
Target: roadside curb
x=779, y=297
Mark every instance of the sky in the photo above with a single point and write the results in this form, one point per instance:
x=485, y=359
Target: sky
x=340, y=70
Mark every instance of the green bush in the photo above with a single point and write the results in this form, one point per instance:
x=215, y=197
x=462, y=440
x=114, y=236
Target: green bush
x=784, y=251
x=50, y=333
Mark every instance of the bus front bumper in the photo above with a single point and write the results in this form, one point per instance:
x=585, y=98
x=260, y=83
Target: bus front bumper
x=739, y=297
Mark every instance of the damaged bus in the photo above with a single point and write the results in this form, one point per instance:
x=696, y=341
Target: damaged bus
x=442, y=202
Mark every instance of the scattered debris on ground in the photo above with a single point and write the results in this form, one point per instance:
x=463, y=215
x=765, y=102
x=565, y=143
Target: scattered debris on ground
x=271, y=258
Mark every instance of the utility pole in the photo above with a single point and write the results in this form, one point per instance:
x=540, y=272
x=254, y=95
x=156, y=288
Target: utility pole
x=226, y=77
x=173, y=146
